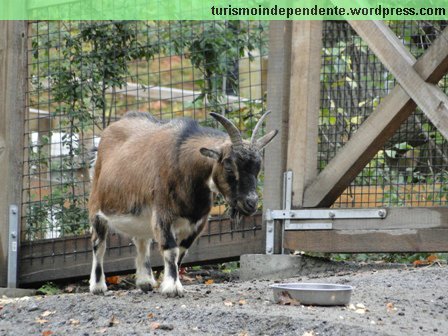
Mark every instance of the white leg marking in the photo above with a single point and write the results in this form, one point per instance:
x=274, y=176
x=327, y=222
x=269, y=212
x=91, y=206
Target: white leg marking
x=98, y=286
x=171, y=285
x=144, y=276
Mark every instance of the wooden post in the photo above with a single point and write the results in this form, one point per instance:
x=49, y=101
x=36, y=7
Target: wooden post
x=304, y=104
x=278, y=102
x=13, y=84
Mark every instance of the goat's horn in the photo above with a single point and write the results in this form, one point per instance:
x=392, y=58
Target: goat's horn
x=257, y=126
x=232, y=130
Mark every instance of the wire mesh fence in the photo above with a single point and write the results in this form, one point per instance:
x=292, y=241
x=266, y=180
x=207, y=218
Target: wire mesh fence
x=85, y=75
x=411, y=168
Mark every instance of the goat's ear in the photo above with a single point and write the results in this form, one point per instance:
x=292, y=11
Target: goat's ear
x=210, y=153
x=265, y=139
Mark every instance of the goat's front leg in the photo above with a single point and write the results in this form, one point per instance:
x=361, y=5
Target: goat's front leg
x=170, y=285
x=187, y=241
x=144, y=276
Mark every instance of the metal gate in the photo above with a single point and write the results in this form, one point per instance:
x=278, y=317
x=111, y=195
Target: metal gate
x=368, y=155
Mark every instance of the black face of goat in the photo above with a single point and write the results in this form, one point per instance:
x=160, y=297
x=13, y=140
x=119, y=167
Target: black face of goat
x=238, y=165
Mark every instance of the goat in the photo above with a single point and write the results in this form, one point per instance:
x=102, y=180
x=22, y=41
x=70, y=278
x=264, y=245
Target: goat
x=155, y=180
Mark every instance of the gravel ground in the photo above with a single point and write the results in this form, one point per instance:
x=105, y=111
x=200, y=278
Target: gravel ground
x=397, y=301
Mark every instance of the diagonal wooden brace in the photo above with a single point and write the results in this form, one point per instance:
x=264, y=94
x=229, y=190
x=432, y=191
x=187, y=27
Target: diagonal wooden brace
x=383, y=122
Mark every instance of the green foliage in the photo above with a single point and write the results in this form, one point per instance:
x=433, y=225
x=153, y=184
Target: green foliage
x=213, y=47
x=49, y=288
x=404, y=258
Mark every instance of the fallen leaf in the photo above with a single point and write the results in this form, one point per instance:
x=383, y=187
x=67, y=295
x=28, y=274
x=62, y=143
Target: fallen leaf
x=154, y=325
x=228, y=303
x=74, y=322
x=309, y=333
x=390, y=307
x=40, y=321
x=47, y=313
x=113, y=280
x=101, y=330
x=242, y=302
x=418, y=263
x=113, y=321
x=209, y=282
x=150, y=315
x=185, y=277
x=47, y=333
x=285, y=299
x=359, y=308
x=432, y=258
x=69, y=289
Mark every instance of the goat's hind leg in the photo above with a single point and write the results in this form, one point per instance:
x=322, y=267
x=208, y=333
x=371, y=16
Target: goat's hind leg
x=99, y=233
x=144, y=276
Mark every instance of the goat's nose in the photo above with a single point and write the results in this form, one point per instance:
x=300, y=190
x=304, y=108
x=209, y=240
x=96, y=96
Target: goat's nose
x=251, y=202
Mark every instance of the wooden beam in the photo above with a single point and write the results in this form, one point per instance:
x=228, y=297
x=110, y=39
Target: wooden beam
x=403, y=230
x=398, y=60
x=375, y=130
x=304, y=105
x=278, y=102
x=13, y=84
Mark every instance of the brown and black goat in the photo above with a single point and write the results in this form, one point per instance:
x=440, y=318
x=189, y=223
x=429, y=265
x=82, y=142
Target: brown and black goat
x=154, y=180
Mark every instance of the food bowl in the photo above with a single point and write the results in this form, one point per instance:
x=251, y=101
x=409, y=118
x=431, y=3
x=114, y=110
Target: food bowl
x=318, y=294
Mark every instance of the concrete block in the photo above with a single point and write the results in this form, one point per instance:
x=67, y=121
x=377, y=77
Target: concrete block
x=16, y=292
x=273, y=266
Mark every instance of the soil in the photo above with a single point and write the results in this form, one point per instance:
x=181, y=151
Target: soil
x=397, y=300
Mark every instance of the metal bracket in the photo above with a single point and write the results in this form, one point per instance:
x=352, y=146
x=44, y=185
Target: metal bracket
x=309, y=219
x=13, y=245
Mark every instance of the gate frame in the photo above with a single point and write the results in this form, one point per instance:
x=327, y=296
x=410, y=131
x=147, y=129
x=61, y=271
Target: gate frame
x=404, y=229
x=13, y=88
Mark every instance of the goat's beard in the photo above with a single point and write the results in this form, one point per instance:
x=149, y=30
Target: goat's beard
x=235, y=218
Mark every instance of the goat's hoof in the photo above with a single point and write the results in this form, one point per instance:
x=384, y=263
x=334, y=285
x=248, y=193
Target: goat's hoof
x=145, y=287
x=146, y=283
x=171, y=288
x=98, y=288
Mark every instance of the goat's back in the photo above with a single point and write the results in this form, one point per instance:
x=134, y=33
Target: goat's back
x=131, y=156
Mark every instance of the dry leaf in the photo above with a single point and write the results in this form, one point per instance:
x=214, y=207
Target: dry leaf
x=113, y=280
x=185, y=277
x=432, y=258
x=359, y=308
x=209, y=282
x=242, y=302
x=285, y=299
x=69, y=289
x=309, y=333
x=418, y=263
x=154, y=325
x=47, y=333
x=74, y=322
x=101, y=330
x=390, y=307
x=150, y=315
x=47, y=313
x=228, y=303
x=113, y=321
x=40, y=321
